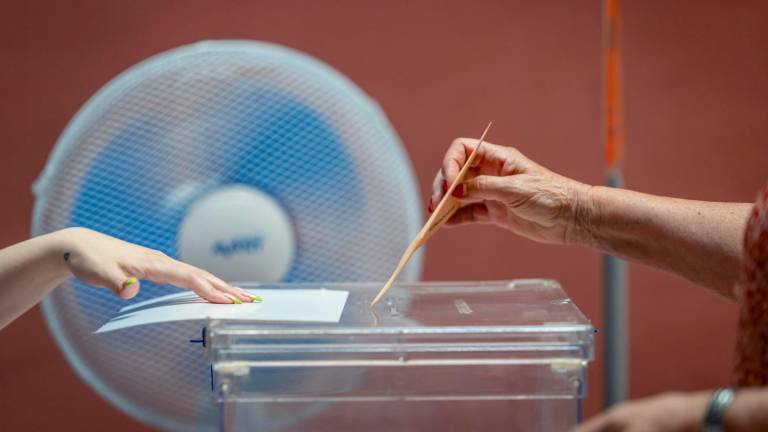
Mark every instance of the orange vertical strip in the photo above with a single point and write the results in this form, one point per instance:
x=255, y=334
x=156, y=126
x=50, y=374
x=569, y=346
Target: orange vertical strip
x=613, y=121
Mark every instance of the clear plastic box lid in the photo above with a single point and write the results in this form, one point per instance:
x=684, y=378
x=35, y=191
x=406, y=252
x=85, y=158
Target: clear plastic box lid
x=531, y=317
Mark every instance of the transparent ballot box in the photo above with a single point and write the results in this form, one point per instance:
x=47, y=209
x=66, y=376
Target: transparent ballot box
x=466, y=356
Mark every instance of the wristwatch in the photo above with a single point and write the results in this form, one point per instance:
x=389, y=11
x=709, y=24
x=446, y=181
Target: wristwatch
x=715, y=414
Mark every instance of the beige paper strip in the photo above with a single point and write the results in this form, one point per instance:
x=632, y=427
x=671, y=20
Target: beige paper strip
x=444, y=210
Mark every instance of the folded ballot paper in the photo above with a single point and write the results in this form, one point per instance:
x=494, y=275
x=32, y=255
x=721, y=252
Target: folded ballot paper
x=279, y=305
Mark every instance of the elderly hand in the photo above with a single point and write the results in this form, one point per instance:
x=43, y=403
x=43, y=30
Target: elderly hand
x=669, y=412
x=507, y=189
x=107, y=262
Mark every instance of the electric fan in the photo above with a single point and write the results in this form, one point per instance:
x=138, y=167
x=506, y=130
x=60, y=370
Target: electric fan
x=251, y=160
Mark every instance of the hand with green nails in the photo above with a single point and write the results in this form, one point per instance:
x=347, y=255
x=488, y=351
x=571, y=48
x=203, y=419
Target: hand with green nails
x=31, y=269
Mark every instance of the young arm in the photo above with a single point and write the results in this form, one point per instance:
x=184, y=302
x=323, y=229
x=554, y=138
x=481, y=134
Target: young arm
x=31, y=269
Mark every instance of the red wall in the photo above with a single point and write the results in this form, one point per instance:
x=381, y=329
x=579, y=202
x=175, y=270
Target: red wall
x=696, y=113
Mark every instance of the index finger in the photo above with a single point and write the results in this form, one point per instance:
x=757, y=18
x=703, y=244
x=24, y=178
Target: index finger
x=491, y=158
x=453, y=170
x=456, y=156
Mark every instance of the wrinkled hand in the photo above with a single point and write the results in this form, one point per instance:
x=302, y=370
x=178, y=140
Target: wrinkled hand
x=505, y=188
x=107, y=262
x=668, y=412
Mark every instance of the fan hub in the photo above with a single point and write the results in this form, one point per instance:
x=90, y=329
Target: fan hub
x=240, y=232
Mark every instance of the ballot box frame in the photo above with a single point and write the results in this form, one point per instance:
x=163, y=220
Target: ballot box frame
x=490, y=355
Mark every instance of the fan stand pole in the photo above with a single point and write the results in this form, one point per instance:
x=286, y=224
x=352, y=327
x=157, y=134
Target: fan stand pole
x=615, y=337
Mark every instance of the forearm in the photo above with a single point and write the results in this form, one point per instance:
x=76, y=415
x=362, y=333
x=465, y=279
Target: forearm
x=698, y=240
x=29, y=271
x=748, y=412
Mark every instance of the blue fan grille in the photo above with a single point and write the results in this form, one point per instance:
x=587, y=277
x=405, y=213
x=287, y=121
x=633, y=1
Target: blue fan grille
x=181, y=125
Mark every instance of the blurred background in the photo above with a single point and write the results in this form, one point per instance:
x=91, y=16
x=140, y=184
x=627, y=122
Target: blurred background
x=696, y=113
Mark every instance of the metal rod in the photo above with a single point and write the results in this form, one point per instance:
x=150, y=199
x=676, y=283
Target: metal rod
x=615, y=336
x=615, y=317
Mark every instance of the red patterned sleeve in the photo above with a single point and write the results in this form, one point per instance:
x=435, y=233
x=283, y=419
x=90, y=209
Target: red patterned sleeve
x=751, y=367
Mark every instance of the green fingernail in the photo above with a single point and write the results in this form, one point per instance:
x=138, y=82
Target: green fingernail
x=237, y=300
x=130, y=281
x=255, y=298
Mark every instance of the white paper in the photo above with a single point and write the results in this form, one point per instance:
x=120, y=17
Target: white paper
x=284, y=305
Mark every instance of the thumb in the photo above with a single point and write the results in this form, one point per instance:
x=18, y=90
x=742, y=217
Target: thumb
x=130, y=288
x=112, y=277
x=125, y=286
